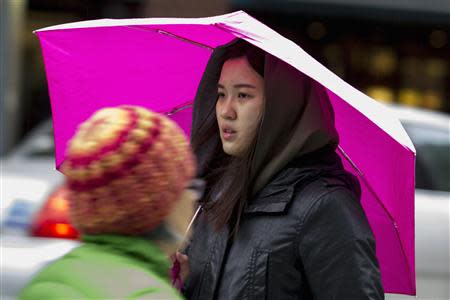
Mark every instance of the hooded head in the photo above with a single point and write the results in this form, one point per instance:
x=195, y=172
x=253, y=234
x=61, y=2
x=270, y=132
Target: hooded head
x=126, y=167
x=296, y=118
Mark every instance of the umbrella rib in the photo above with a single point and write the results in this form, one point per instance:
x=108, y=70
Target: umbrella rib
x=382, y=206
x=184, y=39
x=179, y=108
x=360, y=173
x=160, y=31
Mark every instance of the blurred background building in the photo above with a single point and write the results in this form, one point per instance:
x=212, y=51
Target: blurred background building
x=394, y=51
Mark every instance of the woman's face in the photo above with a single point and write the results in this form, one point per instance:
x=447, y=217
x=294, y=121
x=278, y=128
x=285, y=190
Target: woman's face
x=240, y=105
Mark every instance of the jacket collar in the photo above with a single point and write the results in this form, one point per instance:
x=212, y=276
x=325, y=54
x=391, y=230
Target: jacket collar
x=271, y=201
x=276, y=196
x=136, y=247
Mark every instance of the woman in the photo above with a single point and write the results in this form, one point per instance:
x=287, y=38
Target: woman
x=281, y=217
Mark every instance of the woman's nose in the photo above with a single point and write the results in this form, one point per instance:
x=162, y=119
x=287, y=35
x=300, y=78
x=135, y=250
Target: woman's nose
x=227, y=110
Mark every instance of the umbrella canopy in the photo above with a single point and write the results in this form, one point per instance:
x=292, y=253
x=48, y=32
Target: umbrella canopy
x=158, y=63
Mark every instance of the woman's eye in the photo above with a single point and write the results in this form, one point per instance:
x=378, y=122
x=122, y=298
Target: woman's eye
x=243, y=95
x=220, y=95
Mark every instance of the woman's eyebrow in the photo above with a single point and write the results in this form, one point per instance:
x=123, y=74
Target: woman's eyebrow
x=244, y=85
x=237, y=86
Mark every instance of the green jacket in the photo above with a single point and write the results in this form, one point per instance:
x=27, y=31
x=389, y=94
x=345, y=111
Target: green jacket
x=105, y=267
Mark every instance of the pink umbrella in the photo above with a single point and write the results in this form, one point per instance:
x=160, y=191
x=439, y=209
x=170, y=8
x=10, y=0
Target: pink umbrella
x=158, y=63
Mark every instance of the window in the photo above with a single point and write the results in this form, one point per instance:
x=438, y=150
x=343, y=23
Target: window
x=433, y=156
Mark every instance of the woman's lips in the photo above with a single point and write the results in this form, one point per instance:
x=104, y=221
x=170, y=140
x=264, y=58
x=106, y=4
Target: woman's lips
x=228, y=134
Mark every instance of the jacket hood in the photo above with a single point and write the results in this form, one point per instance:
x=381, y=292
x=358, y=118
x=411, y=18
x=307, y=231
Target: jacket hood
x=298, y=117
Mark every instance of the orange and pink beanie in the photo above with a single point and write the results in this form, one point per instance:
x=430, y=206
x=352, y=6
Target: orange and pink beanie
x=125, y=168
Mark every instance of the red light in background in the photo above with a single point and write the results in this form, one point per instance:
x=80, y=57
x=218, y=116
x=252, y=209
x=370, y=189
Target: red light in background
x=61, y=229
x=53, y=218
x=59, y=203
x=55, y=230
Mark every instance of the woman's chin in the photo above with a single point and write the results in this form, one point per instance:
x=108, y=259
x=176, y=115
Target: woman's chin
x=231, y=150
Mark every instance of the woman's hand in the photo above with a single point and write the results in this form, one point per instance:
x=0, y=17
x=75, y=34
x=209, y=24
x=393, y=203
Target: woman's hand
x=184, y=265
x=180, y=266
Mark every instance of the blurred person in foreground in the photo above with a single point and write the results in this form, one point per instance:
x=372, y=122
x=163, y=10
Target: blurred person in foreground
x=126, y=170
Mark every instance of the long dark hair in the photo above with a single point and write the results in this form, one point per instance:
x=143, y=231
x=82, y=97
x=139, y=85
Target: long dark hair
x=228, y=179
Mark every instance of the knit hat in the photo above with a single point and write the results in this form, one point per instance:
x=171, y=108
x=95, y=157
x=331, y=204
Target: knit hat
x=125, y=168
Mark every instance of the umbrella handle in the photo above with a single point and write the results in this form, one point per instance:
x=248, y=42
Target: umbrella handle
x=183, y=241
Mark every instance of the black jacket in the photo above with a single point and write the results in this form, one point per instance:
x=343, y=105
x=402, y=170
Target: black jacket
x=304, y=236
